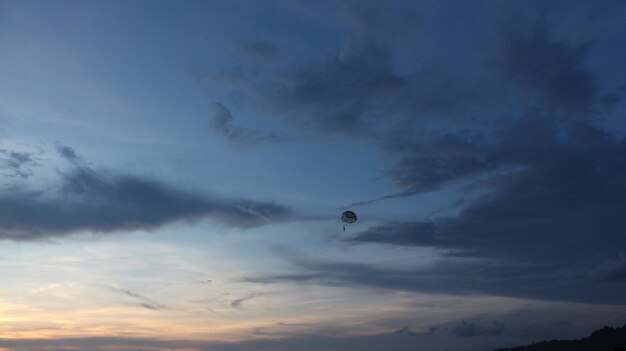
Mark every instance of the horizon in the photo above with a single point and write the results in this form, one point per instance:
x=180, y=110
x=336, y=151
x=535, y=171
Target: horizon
x=173, y=174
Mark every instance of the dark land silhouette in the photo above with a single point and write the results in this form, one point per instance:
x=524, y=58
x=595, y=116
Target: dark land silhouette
x=605, y=339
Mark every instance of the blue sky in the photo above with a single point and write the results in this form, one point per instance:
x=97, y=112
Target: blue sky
x=173, y=174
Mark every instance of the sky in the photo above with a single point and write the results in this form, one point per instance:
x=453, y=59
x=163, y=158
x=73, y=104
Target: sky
x=173, y=173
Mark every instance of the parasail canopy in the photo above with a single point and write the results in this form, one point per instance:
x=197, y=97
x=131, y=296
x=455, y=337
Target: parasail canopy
x=348, y=217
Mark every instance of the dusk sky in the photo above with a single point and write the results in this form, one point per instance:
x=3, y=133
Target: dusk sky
x=173, y=173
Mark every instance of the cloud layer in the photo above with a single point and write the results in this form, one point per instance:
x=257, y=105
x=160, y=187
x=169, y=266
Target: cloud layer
x=542, y=211
x=86, y=200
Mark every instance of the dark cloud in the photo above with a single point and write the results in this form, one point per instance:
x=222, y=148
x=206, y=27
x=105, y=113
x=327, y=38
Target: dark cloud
x=406, y=331
x=221, y=122
x=546, y=72
x=395, y=233
x=551, y=184
x=340, y=94
x=17, y=164
x=262, y=49
x=466, y=329
x=547, y=81
x=554, y=182
x=87, y=200
x=366, y=89
x=356, y=90
x=438, y=160
x=610, y=271
x=69, y=154
x=547, y=280
x=450, y=157
x=444, y=278
x=553, y=197
x=543, y=196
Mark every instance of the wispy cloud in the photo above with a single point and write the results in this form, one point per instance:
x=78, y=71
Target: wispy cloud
x=142, y=300
x=239, y=302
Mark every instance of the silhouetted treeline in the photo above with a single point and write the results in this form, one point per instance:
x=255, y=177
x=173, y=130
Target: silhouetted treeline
x=605, y=339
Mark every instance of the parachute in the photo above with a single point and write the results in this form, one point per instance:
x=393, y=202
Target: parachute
x=348, y=217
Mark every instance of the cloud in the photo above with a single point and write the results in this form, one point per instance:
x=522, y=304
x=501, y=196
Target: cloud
x=531, y=76
x=69, y=154
x=356, y=90
x=17, y=164
x=555, y=182
x=127, y=292
x=359, y=71
x=610, y=271
x=151, y=306
x=406, y=331
x=443, y=159
x=221, y=123
x=142, y=301
x=549, y=279
x=86, y=200
x=543, y=178
x=553, y=197
x=239, y=302
x=339, y=94
x=467, y=329
x=550, y=175
x=547, y=71
x=359, y=275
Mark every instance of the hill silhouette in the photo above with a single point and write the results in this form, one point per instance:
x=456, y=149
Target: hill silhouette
x=605, y=339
